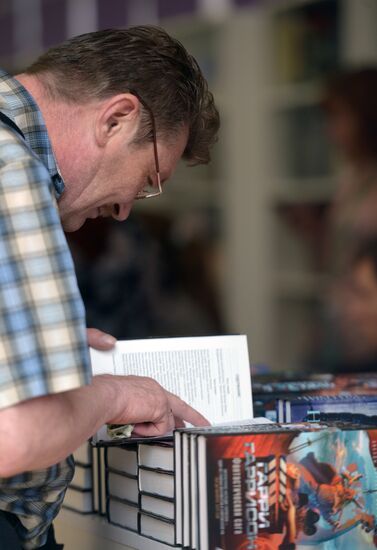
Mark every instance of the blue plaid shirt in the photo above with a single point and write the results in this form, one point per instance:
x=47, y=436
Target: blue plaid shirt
x=43, y=344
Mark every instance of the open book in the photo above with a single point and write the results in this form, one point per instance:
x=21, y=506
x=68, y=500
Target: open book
x=211, y=373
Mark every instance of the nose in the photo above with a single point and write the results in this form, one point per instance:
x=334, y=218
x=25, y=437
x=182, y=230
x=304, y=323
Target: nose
x=120, y=212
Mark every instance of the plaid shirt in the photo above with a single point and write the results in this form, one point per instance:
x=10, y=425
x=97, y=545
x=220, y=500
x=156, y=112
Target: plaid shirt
x=43, y=345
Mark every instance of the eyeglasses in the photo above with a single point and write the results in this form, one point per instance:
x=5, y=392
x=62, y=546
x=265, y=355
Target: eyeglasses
x=150, y=191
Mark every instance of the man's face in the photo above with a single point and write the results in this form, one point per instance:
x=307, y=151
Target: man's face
x=119, y=175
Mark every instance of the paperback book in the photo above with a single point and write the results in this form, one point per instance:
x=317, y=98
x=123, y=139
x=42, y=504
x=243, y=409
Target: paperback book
x=212, y=374
x=347, y=407
x=270, y=394
x=286, y=486
x=80, y=495
x=122, y=459
x=186, y=484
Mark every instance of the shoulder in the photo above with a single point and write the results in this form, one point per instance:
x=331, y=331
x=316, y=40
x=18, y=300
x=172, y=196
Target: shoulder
x=19, y=165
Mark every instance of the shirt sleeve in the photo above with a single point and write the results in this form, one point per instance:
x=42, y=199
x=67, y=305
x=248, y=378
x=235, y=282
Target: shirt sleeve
x=43, y=344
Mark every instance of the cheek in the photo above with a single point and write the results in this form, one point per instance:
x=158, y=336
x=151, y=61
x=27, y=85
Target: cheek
x=134, y=175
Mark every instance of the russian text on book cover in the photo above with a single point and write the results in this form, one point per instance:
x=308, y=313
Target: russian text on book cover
x=281, y=490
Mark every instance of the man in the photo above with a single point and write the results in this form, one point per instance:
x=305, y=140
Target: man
x=91, y=126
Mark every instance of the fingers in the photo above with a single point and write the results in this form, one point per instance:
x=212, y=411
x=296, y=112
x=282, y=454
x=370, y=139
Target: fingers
x=179, y=413
x=178, y=422
x=100, y=340
x=150, y=429
x=175, y=418
x=153, y=410
x=184, y=412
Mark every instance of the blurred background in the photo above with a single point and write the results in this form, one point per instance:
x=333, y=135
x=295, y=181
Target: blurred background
x=274, y=238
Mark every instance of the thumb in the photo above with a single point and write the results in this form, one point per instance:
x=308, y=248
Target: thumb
x=100, y=340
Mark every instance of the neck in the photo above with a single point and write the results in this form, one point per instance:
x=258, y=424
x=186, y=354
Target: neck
x=67, y=126
x=57, y=115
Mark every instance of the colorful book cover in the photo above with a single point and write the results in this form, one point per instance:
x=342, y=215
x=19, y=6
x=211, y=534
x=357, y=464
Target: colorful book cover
x=293, y=489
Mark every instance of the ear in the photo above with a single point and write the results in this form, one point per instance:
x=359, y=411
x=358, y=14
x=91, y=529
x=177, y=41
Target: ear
x=118, y=113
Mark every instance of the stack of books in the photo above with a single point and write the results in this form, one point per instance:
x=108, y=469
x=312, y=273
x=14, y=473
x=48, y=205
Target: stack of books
x=278, y=486
x=346, y=407
x=141, y=489
x=344, y=397
x=86, y=494
x=249, y=486
x=80, y=493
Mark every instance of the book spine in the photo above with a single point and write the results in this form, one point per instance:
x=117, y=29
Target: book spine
x=178, y=487
x=343, y=410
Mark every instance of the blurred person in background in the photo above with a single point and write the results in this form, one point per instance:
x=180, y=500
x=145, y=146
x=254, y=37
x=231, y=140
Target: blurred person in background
x=91, y=126
x=350, y=107
x=333, y=230
x=350, y=104
x=356, y=306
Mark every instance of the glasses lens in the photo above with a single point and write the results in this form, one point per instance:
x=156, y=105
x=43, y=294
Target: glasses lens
x=147, y=191
x=152, y=189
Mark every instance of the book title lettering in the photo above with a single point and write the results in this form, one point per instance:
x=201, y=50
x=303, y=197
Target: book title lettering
x=257, y=495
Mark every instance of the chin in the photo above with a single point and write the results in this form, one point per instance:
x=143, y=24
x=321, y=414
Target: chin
x=70, y=226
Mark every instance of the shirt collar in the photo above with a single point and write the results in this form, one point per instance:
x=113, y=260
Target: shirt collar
x=18, y=104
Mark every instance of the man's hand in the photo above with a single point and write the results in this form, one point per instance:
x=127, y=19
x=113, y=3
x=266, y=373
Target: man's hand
x=140, y=400
x=69, y=418
x=144, y=402
x=100, y=340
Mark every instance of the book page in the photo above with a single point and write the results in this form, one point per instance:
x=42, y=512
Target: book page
x=211, y=373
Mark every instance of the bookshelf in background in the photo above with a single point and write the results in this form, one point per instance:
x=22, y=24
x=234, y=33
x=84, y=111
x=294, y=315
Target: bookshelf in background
x=307, y=39
x=312, y=39
x=265, y=67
